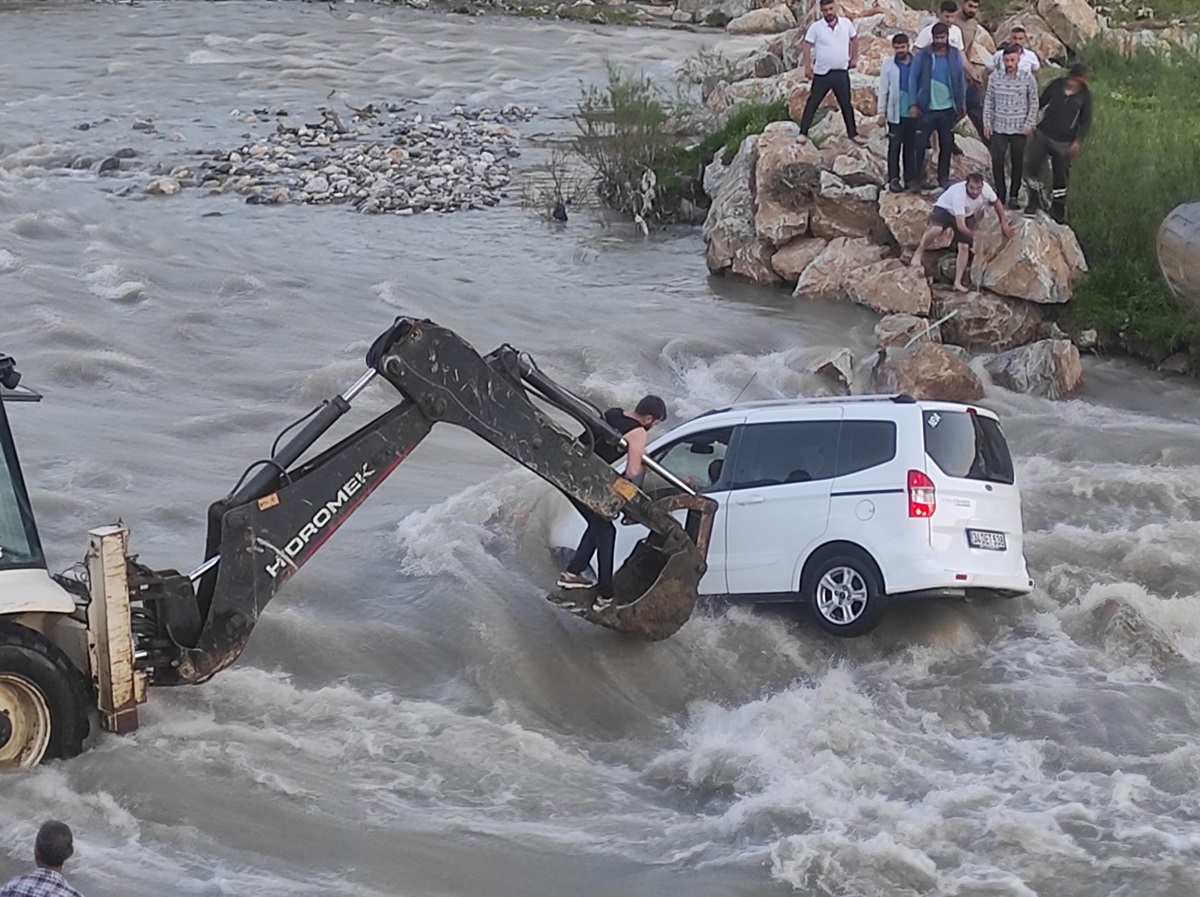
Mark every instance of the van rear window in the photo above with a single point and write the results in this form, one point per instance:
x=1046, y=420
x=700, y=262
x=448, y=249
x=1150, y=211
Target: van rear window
x=967, y=445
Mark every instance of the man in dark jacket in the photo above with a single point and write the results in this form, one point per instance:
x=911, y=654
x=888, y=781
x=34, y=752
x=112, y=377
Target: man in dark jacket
x=1060, y=134
x=600, y=537
x=941, y=98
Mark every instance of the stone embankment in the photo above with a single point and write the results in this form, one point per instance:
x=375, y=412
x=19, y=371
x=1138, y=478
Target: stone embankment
x=814, y=215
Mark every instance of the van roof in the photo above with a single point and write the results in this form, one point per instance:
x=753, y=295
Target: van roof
x=803, y=402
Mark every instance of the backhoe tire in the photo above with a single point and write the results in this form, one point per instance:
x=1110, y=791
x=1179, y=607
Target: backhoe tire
x=43, y=700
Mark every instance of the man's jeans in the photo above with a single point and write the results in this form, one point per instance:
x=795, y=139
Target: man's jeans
x=902, y=148
x=837, y=80
x=1059, y=151
x=942, y=121
x=975, y=107
x=1000, y=146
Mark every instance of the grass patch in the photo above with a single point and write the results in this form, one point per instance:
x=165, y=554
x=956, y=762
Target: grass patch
x=749, y=119
x=1147, y=12
x=1139, y=162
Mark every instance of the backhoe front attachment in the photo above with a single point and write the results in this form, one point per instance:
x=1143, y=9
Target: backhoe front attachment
x=191, y=626
x=655, y=589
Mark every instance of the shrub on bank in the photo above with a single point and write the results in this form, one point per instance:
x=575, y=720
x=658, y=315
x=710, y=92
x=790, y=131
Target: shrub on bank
x=632, y=137
x=1140, y=161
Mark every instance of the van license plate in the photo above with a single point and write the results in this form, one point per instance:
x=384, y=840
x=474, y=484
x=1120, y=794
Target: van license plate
x=982, y=538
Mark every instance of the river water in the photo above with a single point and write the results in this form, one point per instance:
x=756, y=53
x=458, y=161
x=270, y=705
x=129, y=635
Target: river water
x=411, y=718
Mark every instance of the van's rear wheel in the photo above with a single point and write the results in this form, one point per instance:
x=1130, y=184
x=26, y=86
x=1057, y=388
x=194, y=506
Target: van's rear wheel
x=845, y=592
x=43, y=704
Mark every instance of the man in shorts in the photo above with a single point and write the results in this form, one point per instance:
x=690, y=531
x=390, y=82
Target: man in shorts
x=955, y=210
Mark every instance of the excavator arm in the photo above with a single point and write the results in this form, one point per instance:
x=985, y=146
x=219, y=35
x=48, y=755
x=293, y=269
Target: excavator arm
x=190, y=626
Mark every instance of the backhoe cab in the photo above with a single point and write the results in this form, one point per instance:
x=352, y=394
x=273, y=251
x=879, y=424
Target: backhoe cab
x=69, y=644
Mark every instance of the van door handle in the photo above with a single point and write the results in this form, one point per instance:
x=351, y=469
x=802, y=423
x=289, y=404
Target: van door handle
x=749, y=500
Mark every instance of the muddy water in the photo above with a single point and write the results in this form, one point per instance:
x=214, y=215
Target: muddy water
x=411, y=718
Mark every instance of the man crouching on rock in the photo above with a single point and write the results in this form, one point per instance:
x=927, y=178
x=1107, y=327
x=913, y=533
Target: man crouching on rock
x=955, y=210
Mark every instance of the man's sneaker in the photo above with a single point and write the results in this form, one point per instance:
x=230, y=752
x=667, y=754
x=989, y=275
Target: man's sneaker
x=1032, y=208
x=1014, y=203
x=955, y=149
x=574, y=581
x=859, y=139
x=894, y=186
x=944, y=185
x=602, y=603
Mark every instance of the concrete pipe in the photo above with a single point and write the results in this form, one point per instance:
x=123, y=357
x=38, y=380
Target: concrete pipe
x=1179, y=252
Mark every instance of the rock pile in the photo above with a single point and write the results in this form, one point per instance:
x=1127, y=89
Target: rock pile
x=379, y=160
x=813, y=214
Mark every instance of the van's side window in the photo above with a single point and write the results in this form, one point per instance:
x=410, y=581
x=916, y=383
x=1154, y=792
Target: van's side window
x=865, y=444
x=777, y=453
x=698, y=460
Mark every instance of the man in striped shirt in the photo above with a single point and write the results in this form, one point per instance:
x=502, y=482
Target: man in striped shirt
x=1010, y=109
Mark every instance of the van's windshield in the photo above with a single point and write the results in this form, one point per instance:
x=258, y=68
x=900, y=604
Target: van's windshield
x=968, y=445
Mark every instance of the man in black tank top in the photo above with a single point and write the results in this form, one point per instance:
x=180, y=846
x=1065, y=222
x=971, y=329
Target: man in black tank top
x=601, y=535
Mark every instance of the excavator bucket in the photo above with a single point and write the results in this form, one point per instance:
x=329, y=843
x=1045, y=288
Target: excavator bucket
x=655, y=589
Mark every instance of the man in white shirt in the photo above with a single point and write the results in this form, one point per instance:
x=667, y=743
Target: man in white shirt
x=947, y=12
x=830, y=51
x=1029, y=62
x=955, y=210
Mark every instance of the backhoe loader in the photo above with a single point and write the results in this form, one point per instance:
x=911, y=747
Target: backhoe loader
x=74, y=647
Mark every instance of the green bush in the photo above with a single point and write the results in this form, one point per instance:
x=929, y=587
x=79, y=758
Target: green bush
x=1141, y=160
x=627, y=136
x=630, y=136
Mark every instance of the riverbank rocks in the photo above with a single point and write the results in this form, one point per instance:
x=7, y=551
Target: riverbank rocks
x=1073, y=21
x=1042, y=262
x=763, y=21
x=791, y=261
x=840, y=210
x=898, y=330
x=890, y=287
x=928, y=371
x=733, y=242
x=985, y=321
x=842, y=261
x=787, y=174
x=1048, y=368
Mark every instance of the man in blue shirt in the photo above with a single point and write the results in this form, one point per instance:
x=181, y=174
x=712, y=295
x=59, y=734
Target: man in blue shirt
x=896, y=97
x=941, y=99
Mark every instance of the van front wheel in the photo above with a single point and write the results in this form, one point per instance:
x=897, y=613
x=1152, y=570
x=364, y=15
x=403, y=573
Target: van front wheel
x=845, y=593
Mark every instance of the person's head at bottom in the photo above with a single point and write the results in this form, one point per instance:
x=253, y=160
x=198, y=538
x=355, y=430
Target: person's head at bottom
x=54, y=845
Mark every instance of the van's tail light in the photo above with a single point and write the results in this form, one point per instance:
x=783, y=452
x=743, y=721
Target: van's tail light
x=922, y=496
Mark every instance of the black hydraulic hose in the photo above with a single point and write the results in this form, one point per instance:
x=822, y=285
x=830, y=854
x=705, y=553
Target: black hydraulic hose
x=268, y=475
x=566, y=401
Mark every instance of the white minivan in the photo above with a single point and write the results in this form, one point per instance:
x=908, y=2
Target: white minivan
x=843, y=503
